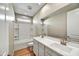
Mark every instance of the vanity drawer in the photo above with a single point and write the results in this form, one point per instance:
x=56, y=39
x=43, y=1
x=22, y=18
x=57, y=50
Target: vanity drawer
x=49, y=52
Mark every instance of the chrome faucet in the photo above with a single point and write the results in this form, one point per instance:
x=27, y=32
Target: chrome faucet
x=64, y=40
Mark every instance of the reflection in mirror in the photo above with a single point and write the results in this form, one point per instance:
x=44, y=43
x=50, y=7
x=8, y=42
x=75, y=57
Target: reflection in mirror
x=42, y=33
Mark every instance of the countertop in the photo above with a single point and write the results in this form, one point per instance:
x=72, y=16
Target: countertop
x=49, y=41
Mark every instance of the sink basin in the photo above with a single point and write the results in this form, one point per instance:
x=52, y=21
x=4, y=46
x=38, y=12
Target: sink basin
x=61, y=47
x=76, y=45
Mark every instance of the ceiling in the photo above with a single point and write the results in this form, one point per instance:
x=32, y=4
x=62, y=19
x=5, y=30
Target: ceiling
x=28, y=9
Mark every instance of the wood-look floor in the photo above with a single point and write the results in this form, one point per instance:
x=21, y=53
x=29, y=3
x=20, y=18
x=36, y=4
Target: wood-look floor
x=24, y=52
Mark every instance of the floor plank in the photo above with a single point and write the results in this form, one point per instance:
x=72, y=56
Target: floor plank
x=24, y=52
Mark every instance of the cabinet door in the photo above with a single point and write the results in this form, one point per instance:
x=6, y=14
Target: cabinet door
x=35, y=47
x=41, y=49
x=49, y=52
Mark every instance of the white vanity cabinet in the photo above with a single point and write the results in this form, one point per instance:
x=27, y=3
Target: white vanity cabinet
x=38, y=48
x=42, y=50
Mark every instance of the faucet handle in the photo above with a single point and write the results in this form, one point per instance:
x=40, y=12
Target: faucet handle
x=68, y=36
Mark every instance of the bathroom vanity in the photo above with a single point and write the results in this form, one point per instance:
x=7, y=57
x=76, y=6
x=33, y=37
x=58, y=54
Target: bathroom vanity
x=50, y=46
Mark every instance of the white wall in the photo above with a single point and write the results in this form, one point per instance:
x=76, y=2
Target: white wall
x=73, y=24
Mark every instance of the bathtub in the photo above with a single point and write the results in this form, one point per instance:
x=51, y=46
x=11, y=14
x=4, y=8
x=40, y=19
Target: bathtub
x=20, y=44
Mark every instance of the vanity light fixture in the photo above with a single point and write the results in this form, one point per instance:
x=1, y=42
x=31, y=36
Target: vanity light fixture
x=3, y=8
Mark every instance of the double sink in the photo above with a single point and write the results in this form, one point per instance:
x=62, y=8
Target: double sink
x=70, y=49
